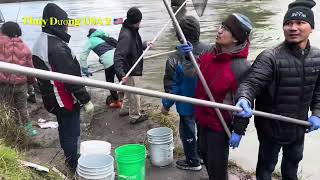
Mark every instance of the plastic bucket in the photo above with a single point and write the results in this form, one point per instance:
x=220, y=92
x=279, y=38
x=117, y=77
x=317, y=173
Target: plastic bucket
x=130, y=160
x=161, y=146
x=95, y=147
x=96, y=166
x=160, y=132
x=161, y=154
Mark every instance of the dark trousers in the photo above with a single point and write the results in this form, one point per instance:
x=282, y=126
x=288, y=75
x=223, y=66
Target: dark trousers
x=214, y=149
x=187, y=130
x=109, y=74
x=268, y=158
x=69, y=132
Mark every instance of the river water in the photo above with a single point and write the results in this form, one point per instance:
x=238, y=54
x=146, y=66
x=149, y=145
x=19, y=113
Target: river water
x=267, y=16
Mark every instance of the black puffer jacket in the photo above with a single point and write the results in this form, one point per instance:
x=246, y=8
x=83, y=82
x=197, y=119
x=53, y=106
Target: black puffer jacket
x=129, y=49
x=284, y=80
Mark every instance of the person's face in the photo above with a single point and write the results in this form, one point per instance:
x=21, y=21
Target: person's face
x=224, y=37
x=297, y=31
x=137, y=25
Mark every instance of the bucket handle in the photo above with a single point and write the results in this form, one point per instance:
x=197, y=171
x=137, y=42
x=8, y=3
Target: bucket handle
x=127, y=177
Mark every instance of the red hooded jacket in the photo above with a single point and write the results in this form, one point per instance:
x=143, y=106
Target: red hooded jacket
x=222, y=72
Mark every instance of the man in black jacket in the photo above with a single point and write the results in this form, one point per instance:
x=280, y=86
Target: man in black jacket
x=129, y=49
x=51, y=53
x=284, y=80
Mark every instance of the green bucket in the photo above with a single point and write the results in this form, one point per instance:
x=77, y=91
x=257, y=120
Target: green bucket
x=130, y=160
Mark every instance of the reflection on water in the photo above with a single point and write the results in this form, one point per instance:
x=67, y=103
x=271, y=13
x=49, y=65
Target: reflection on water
x=266, y=15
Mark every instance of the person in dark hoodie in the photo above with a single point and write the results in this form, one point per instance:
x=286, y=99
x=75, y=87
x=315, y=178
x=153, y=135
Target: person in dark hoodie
x=223, y=67
x=129, y=49
x=284, y=80
x=51, y=53
x=180, y=78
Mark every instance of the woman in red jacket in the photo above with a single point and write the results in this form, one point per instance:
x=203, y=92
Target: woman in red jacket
x=223, y=67
x=13, y=87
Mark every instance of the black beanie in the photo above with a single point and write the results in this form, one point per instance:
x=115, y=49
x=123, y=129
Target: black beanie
x=191, y=28
x=300, y=10
x=239, y=25
x=134, y=15
x=11, y=29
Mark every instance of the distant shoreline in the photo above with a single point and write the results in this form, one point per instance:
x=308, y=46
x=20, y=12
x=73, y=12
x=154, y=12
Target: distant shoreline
x=15, y=1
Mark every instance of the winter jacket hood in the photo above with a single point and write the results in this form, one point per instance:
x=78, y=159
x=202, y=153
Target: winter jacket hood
x=128, y=25
x=52, y=11
x=238, y=52
x=98, y=33
x=191, y=28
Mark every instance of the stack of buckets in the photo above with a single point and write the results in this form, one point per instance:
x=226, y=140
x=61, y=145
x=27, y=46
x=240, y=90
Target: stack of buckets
x=95, y=147
x=130, y=160
x=95, y=161
x=96, y=166
x=161, y=146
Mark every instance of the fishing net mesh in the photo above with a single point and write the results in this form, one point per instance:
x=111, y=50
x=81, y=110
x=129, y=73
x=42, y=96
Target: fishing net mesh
x=199, y=6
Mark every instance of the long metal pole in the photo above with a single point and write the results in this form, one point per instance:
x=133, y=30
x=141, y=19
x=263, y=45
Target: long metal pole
x=17, y=69
x=203, y=81
x=154, y=39
x=145, y=58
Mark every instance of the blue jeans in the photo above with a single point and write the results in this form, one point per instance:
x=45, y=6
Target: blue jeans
x=69, y=132
x=268, y=158
x=187, y=130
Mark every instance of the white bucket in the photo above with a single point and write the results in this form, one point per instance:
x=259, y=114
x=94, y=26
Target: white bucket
x=95, y=147
x=161, y=146
x=96, y=166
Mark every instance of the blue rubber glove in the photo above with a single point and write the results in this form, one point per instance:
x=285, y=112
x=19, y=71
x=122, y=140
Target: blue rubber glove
x=315, y=123
x=86, y=72
x=245, y=105
x=235, y=140
x=185, y=48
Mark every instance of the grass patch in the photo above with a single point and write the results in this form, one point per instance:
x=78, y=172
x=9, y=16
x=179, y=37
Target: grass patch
x=234, y=168
x=10, y=167
x=11, y=133
x=178, y=152
x=170, y=121
x=12, y=139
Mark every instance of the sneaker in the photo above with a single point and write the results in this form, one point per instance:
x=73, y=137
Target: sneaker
x=183, y=164
x=32, y=98
x=141, y=118
x=116, y=104
x=31, y=132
